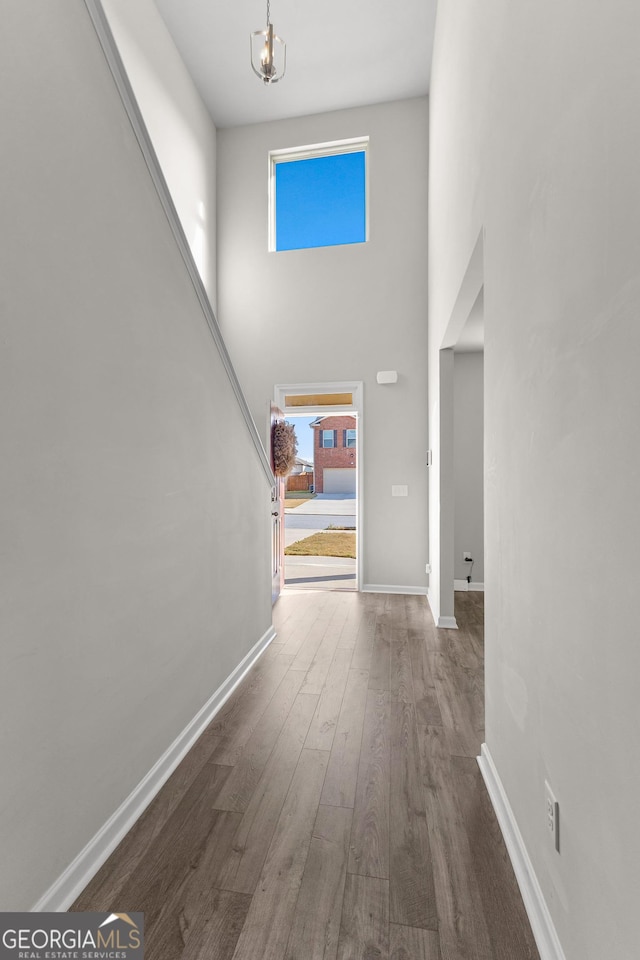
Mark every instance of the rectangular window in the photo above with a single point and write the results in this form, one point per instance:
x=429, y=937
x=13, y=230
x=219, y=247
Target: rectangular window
x=328, y=438
x=318, y=196
x=350, y=438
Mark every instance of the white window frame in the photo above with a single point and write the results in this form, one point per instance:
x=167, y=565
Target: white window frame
x=308, y=152
x=328, y=446
x=348, y=445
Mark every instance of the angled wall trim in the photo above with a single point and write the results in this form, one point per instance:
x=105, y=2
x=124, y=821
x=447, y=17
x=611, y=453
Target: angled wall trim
x=470, y=288
x=74, y=879
x=114, y=60
x=542, y=926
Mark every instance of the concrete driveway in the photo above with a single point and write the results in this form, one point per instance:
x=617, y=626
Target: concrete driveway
x=313, y=516
x=327, y=509
x=318, y=521
x=336, y=504
x=320, y=573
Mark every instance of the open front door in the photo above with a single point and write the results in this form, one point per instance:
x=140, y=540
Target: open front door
x=277, y=517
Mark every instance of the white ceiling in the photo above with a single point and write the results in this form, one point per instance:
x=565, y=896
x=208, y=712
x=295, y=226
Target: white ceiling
x=340, y=53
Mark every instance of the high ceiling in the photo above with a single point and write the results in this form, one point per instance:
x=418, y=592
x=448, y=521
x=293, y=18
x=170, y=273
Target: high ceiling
x=340, y=53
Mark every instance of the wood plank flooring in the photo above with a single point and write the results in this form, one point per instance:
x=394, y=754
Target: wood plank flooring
x=333, y=810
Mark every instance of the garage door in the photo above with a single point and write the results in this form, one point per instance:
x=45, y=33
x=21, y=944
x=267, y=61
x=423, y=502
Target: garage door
x=339, y=480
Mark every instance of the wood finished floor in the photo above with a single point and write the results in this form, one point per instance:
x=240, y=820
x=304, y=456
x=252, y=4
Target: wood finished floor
x=334, y=809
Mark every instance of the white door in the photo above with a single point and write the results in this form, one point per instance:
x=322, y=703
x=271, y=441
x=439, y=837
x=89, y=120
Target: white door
x=339, y=480
x=277, y=520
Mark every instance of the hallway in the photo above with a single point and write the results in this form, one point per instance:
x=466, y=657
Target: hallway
x=334, y=808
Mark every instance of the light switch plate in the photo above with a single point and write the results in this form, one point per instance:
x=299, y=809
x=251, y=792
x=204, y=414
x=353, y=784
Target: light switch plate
x=399, y=490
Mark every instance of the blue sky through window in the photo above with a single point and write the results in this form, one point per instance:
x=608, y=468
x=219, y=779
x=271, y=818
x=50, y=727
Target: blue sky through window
x=304, y=436
x=321, y=201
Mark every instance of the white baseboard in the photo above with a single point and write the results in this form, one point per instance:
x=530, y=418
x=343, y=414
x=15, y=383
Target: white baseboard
x=393, y=588
x=72, y=882
x=444, y=623
x=447, y=623
x=466, y=586
x=539, y=917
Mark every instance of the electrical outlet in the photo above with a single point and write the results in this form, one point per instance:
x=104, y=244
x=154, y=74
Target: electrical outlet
x=428, y=568
x=467, y=556
x=552, y=812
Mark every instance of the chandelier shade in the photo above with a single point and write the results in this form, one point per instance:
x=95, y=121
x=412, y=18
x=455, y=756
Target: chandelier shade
x=268, y=53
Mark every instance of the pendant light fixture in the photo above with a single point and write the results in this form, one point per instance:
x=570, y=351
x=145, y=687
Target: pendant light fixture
x=268, y=53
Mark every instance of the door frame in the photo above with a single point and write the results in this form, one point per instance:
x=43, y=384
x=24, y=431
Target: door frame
x=277, y=514
x=356, y=389
x=441, y=486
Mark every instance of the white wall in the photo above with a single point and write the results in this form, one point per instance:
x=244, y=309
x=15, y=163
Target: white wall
x=534, y=133
x=468, y=460
x=122, y=542
x=179, y=124
x=341, y=313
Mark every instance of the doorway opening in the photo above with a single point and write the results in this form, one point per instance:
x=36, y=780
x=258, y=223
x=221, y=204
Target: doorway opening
x=468, y=472
x=457, y=502
x=322, y=495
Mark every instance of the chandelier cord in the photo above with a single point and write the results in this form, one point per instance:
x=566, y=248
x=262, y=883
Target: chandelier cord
x=268, y=11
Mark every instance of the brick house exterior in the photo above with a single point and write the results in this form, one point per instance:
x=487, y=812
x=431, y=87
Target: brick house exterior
x=334, y=449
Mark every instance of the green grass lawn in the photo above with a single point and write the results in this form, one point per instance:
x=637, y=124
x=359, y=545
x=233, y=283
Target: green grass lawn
x=338, y=544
